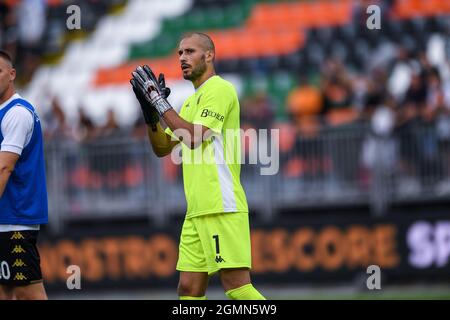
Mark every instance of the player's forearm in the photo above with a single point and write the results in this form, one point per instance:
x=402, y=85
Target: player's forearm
x=7, y=164
x=5, y=173
x=188, y=133
x=160, y=141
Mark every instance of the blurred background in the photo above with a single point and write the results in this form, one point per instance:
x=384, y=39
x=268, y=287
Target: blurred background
x=364, y=122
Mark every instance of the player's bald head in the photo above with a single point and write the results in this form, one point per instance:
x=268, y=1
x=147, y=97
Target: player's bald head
x=6, y=58
x=7, y=76
x=203, y=40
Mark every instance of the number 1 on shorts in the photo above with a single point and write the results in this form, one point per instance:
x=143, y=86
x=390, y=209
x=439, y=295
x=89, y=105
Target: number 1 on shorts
x=216, y=237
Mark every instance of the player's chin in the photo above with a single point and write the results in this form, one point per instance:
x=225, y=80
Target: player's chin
x=187, y=75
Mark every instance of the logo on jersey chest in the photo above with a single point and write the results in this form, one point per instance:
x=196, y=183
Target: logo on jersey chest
x=210, y=113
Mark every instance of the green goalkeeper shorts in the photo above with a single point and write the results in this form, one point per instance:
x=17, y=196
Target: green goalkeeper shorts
x=212, y=242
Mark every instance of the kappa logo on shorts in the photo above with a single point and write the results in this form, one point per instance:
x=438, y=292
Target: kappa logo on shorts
x=19, y=263
x=17, y=236
x=19, y=276
x=18, y=249
x=219, y=259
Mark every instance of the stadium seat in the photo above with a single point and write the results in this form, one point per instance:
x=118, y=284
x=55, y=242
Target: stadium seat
x=304, y=101
x=287, y=136
x=294, y=168
x=339, y=117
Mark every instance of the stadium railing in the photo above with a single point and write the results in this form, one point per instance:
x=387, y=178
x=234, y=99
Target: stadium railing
x=122, y=179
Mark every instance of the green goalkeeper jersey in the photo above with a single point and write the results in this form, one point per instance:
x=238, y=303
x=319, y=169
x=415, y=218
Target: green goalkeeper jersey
x=211, y=172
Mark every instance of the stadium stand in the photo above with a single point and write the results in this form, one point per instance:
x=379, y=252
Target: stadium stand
x=342, y=96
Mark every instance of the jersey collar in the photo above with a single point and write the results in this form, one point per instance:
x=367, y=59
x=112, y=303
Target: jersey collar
x=14, y=96
x=196, y=90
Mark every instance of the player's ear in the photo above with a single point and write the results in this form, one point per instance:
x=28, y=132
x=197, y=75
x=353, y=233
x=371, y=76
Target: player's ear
x=12, y=75
x=209, y=56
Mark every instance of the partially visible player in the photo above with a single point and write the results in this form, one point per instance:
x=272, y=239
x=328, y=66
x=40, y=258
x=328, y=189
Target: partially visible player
x=216, y=235
x=23, y=194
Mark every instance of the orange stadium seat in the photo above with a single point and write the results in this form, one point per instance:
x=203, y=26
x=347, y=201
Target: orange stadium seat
x=259, y=17
x=300, y=15
x=342, y=11
x=308, y=126
x=281, y=14
x=321, y=13
x=170, y=170
x=305, y=101
x=11, y=3
x=119, y=75
x=399, y=11
x=225, y=48
x=294, y=17
x=284, y=13
x=441, y=7
x=445, y=6
x=226, y=44
x=261, y=46
x=54, y=3
x=338, y=117
x=291, y=40
x=245, y=43
x=287, y=135
x=265, y=16
x=427, y=8
x=133, y=175
x=263, y=43
x=295, y=167
x=414, y=8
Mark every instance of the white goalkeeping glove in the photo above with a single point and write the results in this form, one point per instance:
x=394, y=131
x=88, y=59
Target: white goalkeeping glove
x=149, y=87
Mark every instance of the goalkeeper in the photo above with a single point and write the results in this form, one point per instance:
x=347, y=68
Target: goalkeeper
x=215, y=236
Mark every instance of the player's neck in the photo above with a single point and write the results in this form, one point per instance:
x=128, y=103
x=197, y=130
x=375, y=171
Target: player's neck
x=198, y=82
x=7, y=95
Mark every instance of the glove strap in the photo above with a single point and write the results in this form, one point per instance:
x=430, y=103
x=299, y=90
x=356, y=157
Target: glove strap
x=162, y=106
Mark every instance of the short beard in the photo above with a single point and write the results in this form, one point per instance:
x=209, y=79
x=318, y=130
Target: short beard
x=198, y=71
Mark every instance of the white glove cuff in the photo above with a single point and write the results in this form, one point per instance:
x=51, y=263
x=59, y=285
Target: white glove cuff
x=161, y=105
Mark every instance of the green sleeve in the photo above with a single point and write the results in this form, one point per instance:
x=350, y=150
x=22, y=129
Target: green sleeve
x=213, y=108
x=170, y=133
